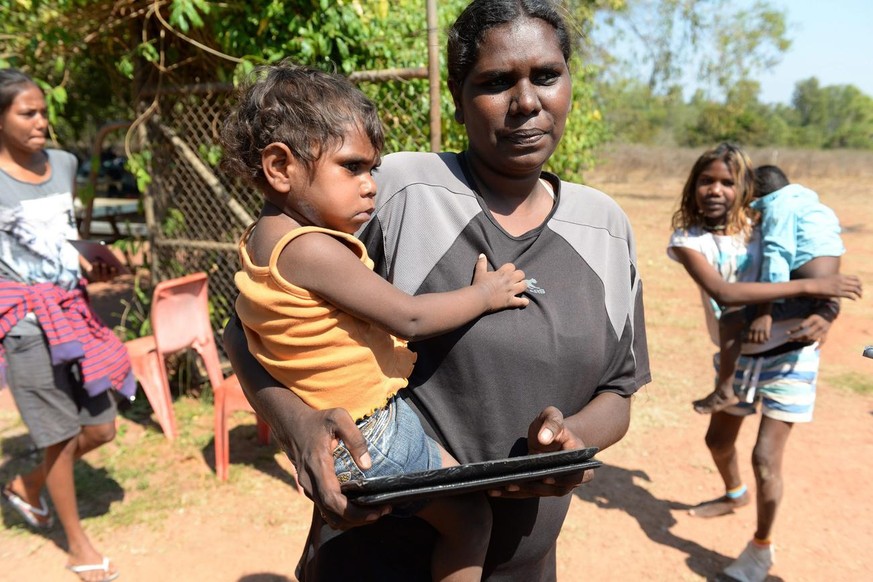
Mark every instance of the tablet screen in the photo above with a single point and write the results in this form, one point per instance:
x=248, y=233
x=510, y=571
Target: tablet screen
x=469, y=477
x=94, y=251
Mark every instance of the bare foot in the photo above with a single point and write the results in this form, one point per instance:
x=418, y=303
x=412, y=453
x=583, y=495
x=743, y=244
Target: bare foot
x=714, y=402
x=722, y=506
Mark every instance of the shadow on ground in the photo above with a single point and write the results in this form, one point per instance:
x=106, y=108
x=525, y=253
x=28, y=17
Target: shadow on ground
x=246, y=450
x=20, y=455
x=264, y=577
x=618, y=488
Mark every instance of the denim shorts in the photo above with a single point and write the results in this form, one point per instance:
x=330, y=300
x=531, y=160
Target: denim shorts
x=396, y=442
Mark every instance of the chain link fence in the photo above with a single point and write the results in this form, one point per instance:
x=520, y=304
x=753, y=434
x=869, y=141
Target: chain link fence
x=196, y=215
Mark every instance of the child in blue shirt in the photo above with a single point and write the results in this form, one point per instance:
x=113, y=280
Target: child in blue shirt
x=796, y=229
x=795, y=226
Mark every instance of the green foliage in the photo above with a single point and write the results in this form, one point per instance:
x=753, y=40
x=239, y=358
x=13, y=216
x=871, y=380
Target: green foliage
x=348, y=35
x=663, y=42
x=743, y=43
x=174, y=223
x=819, y=117
x=103, y=52
x=133, y=321
x=138, y=165
x=633, y=114
x=832, y=117
x=210, y=153
x=186, y=13
x=70, y=47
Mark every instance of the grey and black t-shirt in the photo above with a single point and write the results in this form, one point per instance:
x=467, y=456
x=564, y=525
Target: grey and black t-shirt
x=479, y=388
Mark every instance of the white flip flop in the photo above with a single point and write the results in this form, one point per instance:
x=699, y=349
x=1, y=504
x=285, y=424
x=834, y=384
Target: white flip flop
x=104, y=566
x=28, y=511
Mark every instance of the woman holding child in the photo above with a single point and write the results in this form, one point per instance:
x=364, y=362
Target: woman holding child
x=555, y=375
x=720, y=243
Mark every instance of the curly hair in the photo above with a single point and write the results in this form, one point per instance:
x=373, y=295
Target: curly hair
x=740, y=216
x=306, y=109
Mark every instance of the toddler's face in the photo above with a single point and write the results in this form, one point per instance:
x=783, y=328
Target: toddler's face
x=339, y=193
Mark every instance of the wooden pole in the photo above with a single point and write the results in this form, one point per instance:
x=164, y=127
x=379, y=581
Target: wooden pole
x=433, y=68
x=206, y=174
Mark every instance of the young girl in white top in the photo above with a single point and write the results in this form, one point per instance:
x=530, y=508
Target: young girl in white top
x=715, y=239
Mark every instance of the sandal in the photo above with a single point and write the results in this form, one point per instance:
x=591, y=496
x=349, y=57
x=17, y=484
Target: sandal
x=714, y=402
x=102, y=566
x=30, y=513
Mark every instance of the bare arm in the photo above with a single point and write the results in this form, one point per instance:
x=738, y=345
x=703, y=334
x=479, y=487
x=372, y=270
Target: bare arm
x=816, y=326
x=306, y=435
x=324, y=265
x=98, y=272
x=729, y=294
x=602, y=423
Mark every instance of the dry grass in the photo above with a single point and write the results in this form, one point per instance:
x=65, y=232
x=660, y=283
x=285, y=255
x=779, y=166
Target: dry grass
x=631, y=163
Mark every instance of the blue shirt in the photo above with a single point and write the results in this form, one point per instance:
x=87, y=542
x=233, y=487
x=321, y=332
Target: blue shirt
x=795, y=228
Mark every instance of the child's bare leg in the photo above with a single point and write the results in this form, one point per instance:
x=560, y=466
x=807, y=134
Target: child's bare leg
x=463, y=524
x=721, y=437
x=730, y=329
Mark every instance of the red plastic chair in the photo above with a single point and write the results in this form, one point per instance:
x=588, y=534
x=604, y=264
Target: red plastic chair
x=229, y=397
x=180, y=319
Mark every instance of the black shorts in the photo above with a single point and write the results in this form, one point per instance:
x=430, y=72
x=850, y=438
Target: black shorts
x=50, y=398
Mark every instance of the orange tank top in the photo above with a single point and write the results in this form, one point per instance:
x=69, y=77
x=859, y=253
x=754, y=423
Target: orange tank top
x=329, y=358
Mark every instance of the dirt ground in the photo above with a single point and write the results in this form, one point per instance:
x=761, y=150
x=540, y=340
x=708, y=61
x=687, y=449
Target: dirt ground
x=158, y=511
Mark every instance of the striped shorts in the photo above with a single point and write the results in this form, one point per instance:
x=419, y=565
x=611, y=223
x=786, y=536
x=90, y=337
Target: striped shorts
x=784, y=384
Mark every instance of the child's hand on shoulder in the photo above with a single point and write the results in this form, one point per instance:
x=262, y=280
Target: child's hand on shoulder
x=503, y=286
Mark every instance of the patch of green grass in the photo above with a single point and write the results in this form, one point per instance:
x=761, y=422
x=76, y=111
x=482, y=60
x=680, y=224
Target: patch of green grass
x=141, y=477
x=853, y=382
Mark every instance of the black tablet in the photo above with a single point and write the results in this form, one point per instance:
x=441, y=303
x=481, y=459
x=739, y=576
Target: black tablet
x=95, y=250
x=469, y=477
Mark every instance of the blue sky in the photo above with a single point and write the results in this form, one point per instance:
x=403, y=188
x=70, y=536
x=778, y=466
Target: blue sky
x=832, y=41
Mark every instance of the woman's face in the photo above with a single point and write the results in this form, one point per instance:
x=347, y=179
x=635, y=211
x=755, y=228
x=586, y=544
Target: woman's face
x=515, y=99
x=24, y=124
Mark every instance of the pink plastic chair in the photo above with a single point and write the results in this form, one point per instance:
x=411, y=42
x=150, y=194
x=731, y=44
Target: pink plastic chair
x=180, y=319
x=229, y=397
